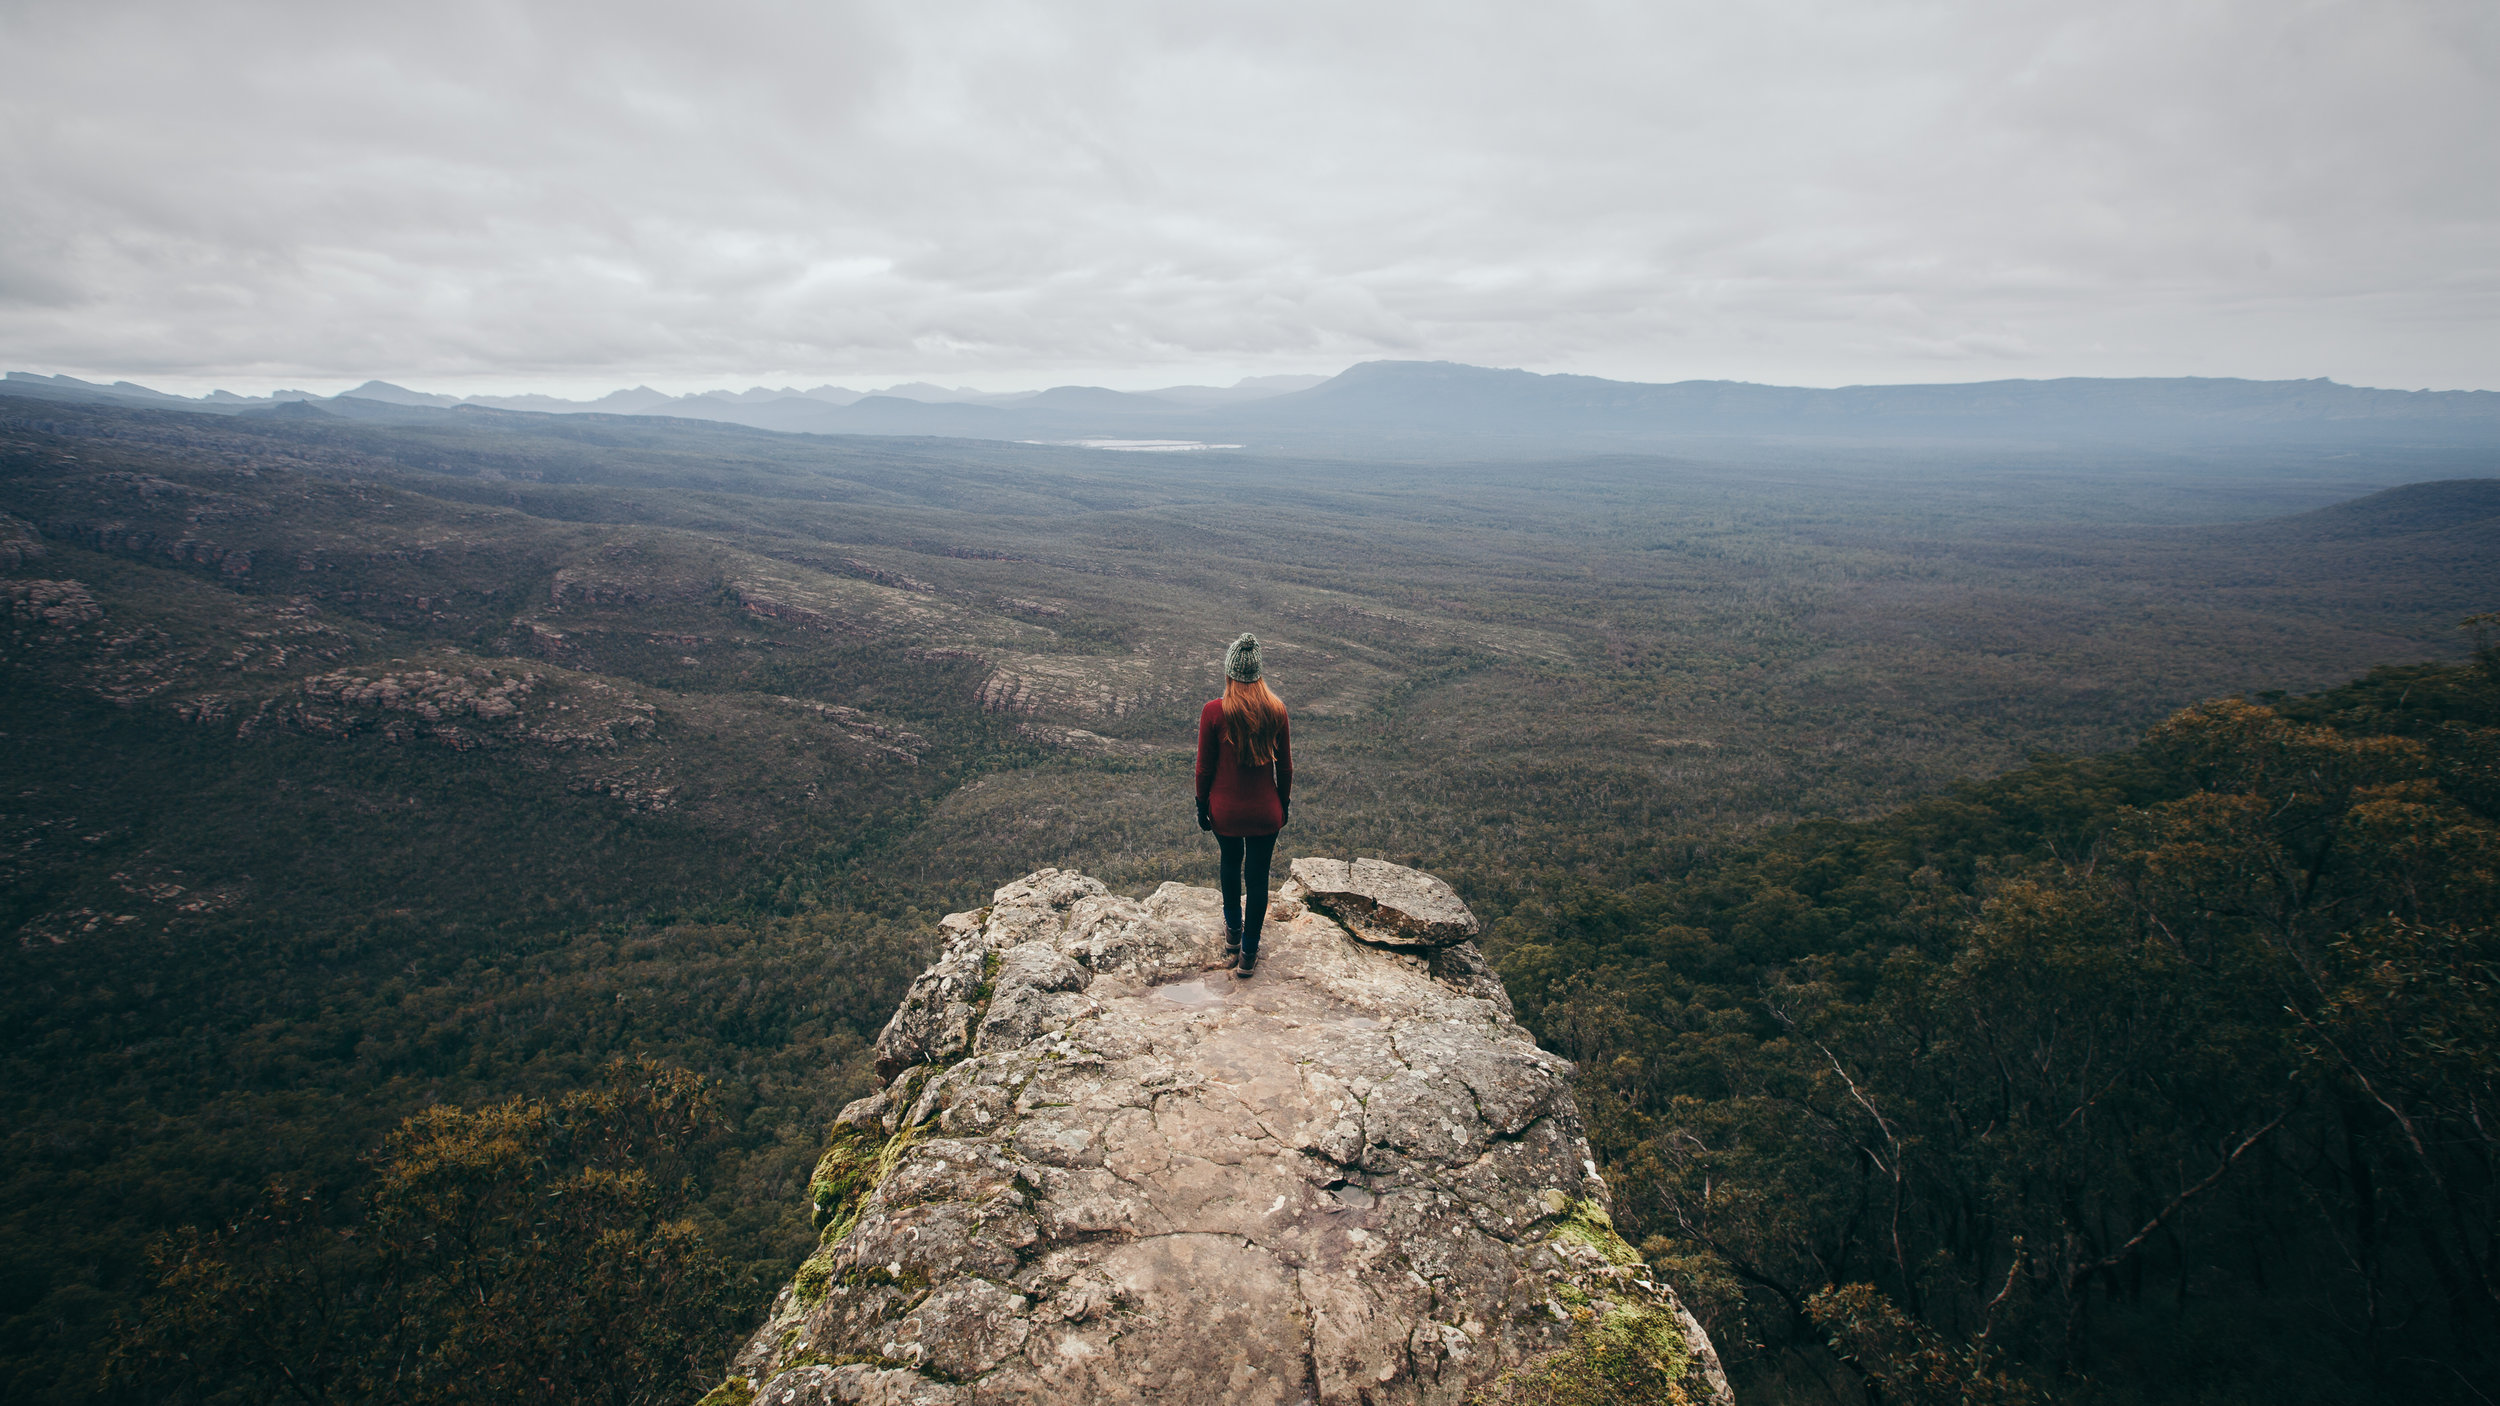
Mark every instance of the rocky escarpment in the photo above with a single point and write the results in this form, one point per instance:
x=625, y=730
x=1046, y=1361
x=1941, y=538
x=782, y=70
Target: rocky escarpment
x=1101, y=1169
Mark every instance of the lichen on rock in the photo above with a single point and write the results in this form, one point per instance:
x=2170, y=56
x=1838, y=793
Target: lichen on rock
x=1101, y=1169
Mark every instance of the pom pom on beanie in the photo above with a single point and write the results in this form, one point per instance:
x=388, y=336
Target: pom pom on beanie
x=1242, y=660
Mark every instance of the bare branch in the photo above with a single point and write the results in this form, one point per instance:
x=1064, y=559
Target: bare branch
x=2119, y=1256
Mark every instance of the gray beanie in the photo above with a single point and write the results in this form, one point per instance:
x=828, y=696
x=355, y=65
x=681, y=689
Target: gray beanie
x=1242, y=660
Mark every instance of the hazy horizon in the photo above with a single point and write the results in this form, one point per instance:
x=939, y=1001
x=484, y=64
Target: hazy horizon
x=730, y=385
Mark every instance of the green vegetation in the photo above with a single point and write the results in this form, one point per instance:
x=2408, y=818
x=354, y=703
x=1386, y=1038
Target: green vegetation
x=528, y=1248
x=1620, y=1356
x=2159, y=1075
x=850, y=1169
x=358, y=772
x=1588, y=1223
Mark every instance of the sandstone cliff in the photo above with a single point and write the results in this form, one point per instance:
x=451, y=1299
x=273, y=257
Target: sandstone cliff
x=1102, y=1170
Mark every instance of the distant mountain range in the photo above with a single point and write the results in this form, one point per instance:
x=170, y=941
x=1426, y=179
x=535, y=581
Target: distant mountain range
x=1444, y=404
x=702, y=405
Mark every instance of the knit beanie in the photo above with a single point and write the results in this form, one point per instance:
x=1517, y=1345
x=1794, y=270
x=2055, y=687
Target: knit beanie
x=1242, y=660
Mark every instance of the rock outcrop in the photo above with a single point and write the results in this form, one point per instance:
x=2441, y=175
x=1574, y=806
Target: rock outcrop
x=1102, y=1170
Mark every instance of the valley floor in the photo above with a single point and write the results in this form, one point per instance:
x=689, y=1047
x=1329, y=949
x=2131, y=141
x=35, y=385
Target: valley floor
x=362, y=767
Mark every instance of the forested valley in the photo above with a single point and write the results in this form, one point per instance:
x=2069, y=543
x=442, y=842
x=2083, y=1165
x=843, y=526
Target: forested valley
x=2024, y=918
x=2163, y=1074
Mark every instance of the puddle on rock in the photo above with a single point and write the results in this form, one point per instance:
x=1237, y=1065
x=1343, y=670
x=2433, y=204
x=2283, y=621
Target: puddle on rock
x=1196, y=993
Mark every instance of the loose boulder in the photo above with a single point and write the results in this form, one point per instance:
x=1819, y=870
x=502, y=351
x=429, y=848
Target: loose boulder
x=1383, y=903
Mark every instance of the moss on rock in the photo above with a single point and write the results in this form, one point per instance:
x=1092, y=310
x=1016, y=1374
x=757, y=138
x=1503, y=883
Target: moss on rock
x=1588, y=1223
x=814, y=1275
x=852, y=1167
x=1621, y=1355
x=1631, y=1353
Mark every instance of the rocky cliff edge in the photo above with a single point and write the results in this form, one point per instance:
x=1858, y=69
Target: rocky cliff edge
x=1103, y=1170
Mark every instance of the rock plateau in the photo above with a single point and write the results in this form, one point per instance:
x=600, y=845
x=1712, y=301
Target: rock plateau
x=1103, y=1170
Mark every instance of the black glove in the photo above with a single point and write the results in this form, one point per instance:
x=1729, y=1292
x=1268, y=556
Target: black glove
x=1286, y=818
x=1206, y=817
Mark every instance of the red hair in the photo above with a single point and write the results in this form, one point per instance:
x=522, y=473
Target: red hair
x=1253, y=715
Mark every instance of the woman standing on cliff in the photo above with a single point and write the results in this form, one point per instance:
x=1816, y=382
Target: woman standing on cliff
x=1245, y=791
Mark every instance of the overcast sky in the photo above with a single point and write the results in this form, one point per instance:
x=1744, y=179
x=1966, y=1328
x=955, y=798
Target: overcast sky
x=573, y=197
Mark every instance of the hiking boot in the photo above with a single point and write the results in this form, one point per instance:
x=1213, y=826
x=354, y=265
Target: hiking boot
x=1249, y=962
x=1232, y=945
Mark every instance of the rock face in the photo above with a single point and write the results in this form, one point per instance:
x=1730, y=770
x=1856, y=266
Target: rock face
x=1102, y=1170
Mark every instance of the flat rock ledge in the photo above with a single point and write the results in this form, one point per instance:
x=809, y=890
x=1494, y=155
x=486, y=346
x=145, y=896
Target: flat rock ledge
x=1102, y=1170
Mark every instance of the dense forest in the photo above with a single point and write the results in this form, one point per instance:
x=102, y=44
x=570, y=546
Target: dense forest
x=2165, y=1074
x=456, y=865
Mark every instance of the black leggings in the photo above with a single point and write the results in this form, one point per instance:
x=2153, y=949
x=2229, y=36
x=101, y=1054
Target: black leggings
x=1256, y=851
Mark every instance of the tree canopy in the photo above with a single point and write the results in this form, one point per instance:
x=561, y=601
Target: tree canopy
x=2164, y=1075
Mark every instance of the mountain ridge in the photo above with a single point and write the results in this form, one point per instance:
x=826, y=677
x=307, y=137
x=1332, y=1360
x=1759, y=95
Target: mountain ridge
x=2439, y=505
x=1439, y=402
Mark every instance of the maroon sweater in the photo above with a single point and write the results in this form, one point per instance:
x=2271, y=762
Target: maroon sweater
x=1245, y=799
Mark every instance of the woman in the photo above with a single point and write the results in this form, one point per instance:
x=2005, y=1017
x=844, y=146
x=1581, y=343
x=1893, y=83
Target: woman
x=1245, y=791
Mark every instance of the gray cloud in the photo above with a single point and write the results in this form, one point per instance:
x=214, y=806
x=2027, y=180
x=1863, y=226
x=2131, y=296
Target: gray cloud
x=483, y=196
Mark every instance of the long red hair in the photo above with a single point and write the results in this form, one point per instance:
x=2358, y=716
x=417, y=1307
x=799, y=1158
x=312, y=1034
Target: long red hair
x=1253, y=715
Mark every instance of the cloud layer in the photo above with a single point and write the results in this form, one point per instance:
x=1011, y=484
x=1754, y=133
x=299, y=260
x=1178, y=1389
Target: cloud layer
x=572, y=196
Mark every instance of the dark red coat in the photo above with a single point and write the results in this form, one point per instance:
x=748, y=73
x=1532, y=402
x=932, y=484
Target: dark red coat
x=1245, y=800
